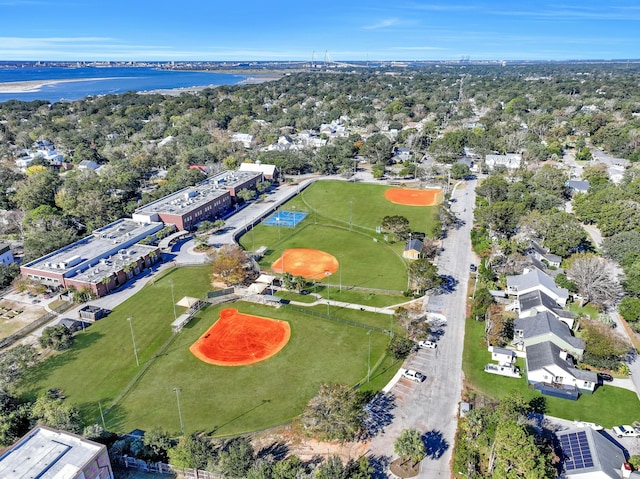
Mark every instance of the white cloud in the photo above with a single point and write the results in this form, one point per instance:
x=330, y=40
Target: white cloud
x=388, y=22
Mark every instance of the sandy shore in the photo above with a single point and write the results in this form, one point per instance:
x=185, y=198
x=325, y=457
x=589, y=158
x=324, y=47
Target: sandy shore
x=36, y=85
x=254, y=80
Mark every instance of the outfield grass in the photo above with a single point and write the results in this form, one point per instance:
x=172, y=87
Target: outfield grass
x=364, y=263
x=608, y=405
x=214, y=399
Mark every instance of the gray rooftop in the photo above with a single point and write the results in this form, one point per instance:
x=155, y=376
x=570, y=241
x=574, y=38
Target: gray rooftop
x=578, y=185
x=546, y=354
x=578, y=444
x=117, y=238
x=532, y=299
x=48, y=454
x=536, y=278
x=193, y=197
x=546, y=323
x=414, y=244
x=186, y=200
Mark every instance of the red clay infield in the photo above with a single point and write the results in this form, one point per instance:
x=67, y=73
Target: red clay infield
x=405, y=196
x=306, y=262
x=238, y=339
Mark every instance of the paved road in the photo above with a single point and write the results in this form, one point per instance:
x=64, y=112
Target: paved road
x=432, y=406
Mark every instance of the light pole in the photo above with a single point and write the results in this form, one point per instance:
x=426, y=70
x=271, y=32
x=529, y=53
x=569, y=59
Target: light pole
x=350, y=213
x=173, y=300
x=341, y=257
x=327, y=274
x=177, y=391
x=133, y=339
x=369, y=357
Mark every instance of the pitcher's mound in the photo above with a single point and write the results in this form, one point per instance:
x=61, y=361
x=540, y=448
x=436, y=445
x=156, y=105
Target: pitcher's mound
x=238, y=339
x=408, y=197
x=306, y=262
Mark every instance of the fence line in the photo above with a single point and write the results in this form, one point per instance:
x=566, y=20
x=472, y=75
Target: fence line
x=336, y=319
x=162, y=468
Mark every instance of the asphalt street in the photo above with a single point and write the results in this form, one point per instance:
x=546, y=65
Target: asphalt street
x=431, y=407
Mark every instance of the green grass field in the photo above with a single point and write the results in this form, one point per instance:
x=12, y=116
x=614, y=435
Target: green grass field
x=608, y=405
x=100, y=369
x=217, y=400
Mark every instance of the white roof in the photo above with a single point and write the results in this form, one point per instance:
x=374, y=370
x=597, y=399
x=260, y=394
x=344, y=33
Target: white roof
x=257, y=288
x=48, y=454
x=259, y=168
x=265, y=278
x=187, y=301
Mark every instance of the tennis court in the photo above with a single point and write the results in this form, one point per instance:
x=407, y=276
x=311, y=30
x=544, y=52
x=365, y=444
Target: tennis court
x=288, y=219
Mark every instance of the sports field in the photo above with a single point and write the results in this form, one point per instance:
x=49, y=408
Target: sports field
x=100, y=369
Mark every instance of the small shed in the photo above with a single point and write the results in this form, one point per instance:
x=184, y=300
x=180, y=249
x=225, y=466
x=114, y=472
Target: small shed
x=504, y=357
x=413, y=249
x=73, y=325
x=465, y=407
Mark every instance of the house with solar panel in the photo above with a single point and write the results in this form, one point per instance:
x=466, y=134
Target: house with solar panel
x=587, y=454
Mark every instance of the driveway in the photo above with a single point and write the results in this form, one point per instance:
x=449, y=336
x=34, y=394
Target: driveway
x=431, y=407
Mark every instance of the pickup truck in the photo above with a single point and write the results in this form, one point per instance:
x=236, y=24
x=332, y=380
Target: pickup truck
x=626, y=431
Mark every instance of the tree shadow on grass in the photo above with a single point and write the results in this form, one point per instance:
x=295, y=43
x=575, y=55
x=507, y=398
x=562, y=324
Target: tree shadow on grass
x=216, y=428
x=435, y=444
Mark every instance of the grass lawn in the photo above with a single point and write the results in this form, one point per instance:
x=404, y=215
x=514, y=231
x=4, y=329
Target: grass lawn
x=608, y=405
x=217, y=400
x=365, y=263
x=588, y=310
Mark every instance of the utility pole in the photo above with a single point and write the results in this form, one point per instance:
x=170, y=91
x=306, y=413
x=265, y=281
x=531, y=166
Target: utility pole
x=173, y=300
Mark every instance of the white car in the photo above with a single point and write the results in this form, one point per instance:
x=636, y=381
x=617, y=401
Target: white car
x=626, y=431
x=414, y=375
x=427, y=345
x=592, y=425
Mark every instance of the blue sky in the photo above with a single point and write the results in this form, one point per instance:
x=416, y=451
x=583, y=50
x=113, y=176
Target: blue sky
x=293, y=30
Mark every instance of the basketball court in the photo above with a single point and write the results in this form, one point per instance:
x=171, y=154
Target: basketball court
x=287, y=219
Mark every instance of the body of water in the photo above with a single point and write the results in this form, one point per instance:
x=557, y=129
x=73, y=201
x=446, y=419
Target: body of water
x=84, y=81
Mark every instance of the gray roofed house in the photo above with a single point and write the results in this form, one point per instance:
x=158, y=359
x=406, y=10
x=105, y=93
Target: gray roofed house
x=546, y=327
x=88, y=165
x=535, y=279
x=551, y=366
x=534, y=302
x=543, y=254
x=581, y=186
x=586, y=453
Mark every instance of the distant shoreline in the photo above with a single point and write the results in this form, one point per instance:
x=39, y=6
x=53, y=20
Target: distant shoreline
x=253, y=80
x=34, y=86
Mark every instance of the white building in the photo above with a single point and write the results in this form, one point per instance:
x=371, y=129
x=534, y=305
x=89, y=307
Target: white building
x=46, y=453
x=511, y=161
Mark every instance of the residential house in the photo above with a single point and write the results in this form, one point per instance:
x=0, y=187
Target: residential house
x=504, y=357
x=505, y=367
x=511, y=161
x=89, y=165
x=551, y=371
x=47, y=453
x=401, y=154
x=6, y=256
x=311, y=139
x=536, y=280
x=534, y=302
x=578, y=186
x=244, y=138
x=543, y=327
x=413, y=249
x=587, y=454
x=542, y=254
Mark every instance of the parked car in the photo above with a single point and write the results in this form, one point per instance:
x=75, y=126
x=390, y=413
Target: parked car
x=626, y=431
x=473, y=268
x=605, y=377
x=592, y=425
x=427, y=345
x=414, y=375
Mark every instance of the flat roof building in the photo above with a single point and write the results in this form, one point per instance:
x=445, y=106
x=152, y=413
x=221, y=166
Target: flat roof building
x=206, y=200
x=46, y=453
x=101, y=261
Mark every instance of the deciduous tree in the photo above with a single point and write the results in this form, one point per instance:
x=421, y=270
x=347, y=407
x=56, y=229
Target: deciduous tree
x=410, y=445
x=228, y=264
x=594, y=277
x=335, y=413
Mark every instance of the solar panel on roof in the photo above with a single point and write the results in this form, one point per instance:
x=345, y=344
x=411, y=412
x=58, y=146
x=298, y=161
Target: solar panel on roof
x=576, y=450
